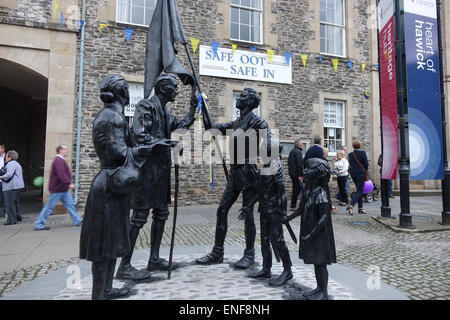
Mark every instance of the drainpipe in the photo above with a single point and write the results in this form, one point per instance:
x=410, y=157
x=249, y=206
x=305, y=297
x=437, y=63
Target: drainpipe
x=80, y=103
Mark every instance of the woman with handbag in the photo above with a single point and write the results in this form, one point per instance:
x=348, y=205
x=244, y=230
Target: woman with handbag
x=359, y=166
x=12, y=182
x=104, y=233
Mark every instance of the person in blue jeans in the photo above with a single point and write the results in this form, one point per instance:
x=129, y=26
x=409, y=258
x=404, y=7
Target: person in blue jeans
x=359, y=166
x=59, y=186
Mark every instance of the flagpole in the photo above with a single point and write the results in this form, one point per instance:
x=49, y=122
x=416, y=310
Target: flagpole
x=205, y=110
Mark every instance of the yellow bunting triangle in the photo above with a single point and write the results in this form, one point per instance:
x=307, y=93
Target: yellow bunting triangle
x=335, y=64
x=363, y=66
x=270, y=54
x=304, y=59
x=55, y=7
x=194, y=43
x=102, y=25
x=233, y=48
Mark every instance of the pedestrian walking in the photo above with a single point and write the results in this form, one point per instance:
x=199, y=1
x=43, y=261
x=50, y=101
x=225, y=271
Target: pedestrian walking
x=295, y=164
x=12, y=183
x=341, y=167
x=59, y=186
x=359, y=166
x=2, y=164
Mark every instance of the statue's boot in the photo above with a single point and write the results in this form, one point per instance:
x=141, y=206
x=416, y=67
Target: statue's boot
x=247, y=260
x=321, y=292
x=110, y=292
x=282, y=279
x=99, y=271
x=155, y=262
x=249, y=254
x=311, y=293
x=263, y=273
x=216, y=256
x=115, y=293
x=126, y=271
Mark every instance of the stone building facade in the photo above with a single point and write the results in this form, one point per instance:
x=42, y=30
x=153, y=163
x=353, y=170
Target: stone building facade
x=36, y=38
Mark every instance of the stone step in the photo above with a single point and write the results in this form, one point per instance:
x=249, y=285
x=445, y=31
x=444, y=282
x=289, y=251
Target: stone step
x=420, y=192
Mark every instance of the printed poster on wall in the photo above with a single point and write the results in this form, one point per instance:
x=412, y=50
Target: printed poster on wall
x=424, y=96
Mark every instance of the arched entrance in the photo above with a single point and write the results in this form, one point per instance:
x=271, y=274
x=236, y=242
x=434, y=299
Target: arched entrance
x=23, y=110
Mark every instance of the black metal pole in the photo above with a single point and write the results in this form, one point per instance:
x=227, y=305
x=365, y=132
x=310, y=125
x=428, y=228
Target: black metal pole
x=385, y=207
x=446, y=181
x=404, y=171
x=205, y=111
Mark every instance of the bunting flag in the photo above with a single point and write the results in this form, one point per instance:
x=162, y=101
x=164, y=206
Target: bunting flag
x=335, y=64
x=377, y=66
x=211, y=166
x=270, y=54
x=61, y=21
x=102, y=25
x=55, y=7
x=194, y=43
x=304, y=59
x=363, y=66
x=199, y=110
x=350, y=64
x=367, y=94
x=80, y=26
x=287, y=55
x=129, y=34
x=319, y=59
x=233, y=48
x=215, y=46
x=253, y=48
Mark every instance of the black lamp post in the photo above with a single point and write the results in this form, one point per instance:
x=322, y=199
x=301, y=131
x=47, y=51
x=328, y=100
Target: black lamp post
x=446, y=181
x=404, y=171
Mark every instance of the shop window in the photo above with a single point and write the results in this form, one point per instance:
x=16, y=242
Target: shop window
x=334, y=126
x=332, y=27
x=139, y=12
x=246, y=20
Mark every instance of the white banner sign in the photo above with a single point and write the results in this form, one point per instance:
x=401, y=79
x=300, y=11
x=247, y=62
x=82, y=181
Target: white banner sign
x=136, y=94
x=247, y=65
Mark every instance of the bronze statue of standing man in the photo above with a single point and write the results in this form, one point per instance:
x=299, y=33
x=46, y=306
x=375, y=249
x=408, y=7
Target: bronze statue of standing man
x=152, y=122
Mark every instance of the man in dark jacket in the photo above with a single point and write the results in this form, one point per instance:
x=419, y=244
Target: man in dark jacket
x=315, y=151
x=153, y=121
x=295, y=163
x=244, y=175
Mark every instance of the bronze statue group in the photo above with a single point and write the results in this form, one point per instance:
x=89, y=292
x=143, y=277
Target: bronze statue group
x=135, y=174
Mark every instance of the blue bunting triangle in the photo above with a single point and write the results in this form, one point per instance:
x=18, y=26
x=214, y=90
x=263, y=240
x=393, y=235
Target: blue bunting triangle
x=350, y=65
x=129, y=33
x=319, y=59
x=287, y=55
x=215, y=46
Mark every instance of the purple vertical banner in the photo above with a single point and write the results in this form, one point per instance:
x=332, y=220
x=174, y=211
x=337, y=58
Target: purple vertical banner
x=423, y=86
x=388, y=85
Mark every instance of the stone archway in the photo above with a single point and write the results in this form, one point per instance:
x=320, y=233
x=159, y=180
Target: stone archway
x=23, y=106
x=51, y=55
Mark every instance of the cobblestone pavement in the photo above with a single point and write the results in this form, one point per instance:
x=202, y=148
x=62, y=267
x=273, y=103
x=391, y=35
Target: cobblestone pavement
x=416, y=264
x=216, y=282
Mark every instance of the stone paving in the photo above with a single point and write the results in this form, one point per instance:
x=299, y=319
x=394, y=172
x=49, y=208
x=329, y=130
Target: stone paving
x=216, y=282
x=416, y=264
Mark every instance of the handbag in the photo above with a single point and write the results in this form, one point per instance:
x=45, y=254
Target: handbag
x=368, y=184
x=3, y=171
x=125, y=179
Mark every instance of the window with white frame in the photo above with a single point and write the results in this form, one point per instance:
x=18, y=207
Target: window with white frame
x=138, y=12
x=332, y=27
x=236, y=111
x=246, y=20
x=334, y=126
